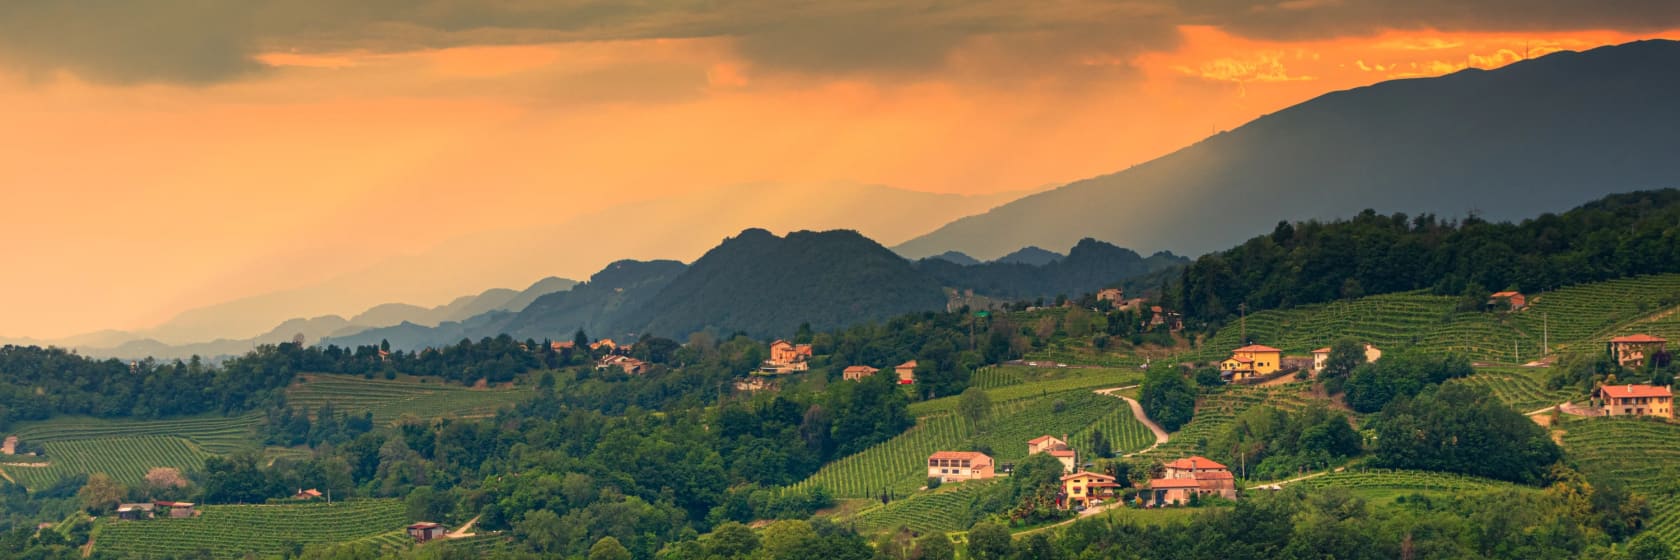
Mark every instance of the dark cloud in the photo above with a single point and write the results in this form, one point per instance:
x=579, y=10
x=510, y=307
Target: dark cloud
x=196, y=41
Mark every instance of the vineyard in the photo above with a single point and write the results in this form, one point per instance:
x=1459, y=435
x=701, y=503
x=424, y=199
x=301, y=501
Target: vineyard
x=950, y=508
x=1642, y=454
x=1390, y=320
x=126, y=459
x=1216, y=411
x=1523, y=389
x=900, y=464
x=1042, y=383
x=235, y=531
x=1124, y=432
x=213, y=434
x=1589, y=312
x=1385, y=480
x=390, y=400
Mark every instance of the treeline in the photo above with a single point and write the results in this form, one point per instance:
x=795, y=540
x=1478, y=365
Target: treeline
x=38, y=383
x=1312, y=262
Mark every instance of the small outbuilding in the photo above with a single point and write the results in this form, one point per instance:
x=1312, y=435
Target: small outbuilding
x=426, y=530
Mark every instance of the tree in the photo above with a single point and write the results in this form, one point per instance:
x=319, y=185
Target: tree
x=784, y=539
x=1168, y=398
x=934, y=546
x=100, y=493
x=1345, y=355
x=989, y=541
x=975, y=405
x=1462, y=428
x=542, y=531
x=1099, y=445
x=733, y=539
x=608, y=548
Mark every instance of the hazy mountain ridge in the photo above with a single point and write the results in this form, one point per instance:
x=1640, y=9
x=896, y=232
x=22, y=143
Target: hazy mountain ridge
x=1509, y=143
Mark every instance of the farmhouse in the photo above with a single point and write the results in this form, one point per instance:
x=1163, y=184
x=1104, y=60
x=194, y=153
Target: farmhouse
x=629, y=365
x=133, y=512
x=1082, y=488
x=1634, y=350
x=906, y=372
x=1321, y=356
x=1170, y=491
x=1113, y=295
x=952, y=466
x=1253, y=360
x=1171, y=319
x=176, y=509
x=1513, y=301
x=1044, y=443
x=426, y=530
x=1209, y=477
x=310, y=494
x=857, y=373
x=1636, y=400
x=754, y=384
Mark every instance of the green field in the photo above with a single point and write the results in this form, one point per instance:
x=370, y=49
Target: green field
x=925, y=512
x=1124, y=432
x=1642, y=454
x=234, y=531
x=1523, y=389
x=390, y=400
x=126, y=459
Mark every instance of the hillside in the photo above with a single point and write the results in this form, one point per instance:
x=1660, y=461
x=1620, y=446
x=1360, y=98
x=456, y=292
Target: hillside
x=1030, y=256
x=1509, y=143
x=1089, y=265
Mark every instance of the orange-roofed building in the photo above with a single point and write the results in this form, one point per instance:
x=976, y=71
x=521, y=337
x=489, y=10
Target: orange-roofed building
x=1636, y=400
x=1511, y=300
x=857, y=373
x=1192, y=475
x=1067, y=457
x=906, y=372
x=1170, y=491
x=1253, y=360
x=1189, y=466
x=952, y=466
x=1634, y=350
x=1044, y=443
x=1082, y=487
x=1112, y=295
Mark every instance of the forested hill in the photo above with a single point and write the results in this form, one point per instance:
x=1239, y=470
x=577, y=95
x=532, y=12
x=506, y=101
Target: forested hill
x=1089, y=265
x=763, y=284
x=1309, y=262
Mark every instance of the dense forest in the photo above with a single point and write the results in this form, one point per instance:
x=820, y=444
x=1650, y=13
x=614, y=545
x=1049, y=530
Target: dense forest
x=1311, y=262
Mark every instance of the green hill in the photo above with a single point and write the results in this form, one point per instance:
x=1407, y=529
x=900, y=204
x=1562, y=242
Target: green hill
x=236, y=531
x=1642, y=454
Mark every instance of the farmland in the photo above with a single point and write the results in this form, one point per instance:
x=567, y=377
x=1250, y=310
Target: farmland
x=126, y=459
x=390, y=400
x=1642, y=454
x=1387, y=484
x=213, y=434
x=1013, y=383
x=234, y=531
x=950, y=508
x=1217, y=410
x=1523, y=389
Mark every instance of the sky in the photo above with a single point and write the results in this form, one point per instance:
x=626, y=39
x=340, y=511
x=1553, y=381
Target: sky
x=161, y=155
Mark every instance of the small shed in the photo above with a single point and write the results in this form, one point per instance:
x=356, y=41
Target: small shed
x=176, y=509
x=134, y=512
x=1508, y=299
x=426, y=530
x=310, y=494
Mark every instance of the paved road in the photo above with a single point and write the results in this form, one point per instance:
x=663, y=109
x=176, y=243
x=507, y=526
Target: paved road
x=1161, y=435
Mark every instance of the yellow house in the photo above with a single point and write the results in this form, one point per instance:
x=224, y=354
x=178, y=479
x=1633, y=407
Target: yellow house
x=1253, y=360
x=1082, y=487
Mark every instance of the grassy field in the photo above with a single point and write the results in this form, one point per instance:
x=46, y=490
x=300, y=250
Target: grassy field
x=390, y=400
x=235, y=531
x=1642, y=454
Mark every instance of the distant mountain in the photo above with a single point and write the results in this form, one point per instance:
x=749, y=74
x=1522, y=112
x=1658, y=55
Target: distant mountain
x=767, y=285
x=1030, y=256
x=1532, y=137
x=1089, y=265
x=956, y=257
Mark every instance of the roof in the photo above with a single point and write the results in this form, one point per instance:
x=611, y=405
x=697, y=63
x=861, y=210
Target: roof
x=310, y=492
x=907, y=365
x=1087, y=474
x=1324, y=350
x=1214, y=475
x=1061, y=453
x=132, y=507
x=1635, y=391
x=1196, y=462
x=1164, y=483
x=1155, y=309
x=174, y=504
x=1638, y=338
x=1041, y=439
x=971, y=455
x=424, y=525
x=851, y=369
x=1256, y=348
x=780, y=341
x=1505, y=294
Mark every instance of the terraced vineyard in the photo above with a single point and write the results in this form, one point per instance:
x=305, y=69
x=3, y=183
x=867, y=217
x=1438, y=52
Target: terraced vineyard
x=1642, y=454
x=1047, y=382
x=900, y=464
x=1389, y=320
x=1410, y=481
x=1586, y=312
x=928, y=512
x=213, y=434
x=235, y=531
x=389, y=400
x=1124, y=432
x=992, y=377
x=1523, y=389
x=1216, y=411
x=1084, y=357
x=126, y=459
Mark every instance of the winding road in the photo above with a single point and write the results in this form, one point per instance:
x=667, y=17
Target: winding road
x=1161, y=435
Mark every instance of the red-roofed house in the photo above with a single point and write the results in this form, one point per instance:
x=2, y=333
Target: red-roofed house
x=1170, y=491
x=906, y=372
x=1636, y=400
x=1512, y=300
x=951, y=466
x=1192, y=475
x=1253, y=360
x=1633, y=350
x=1082, y=487
x=857, y=373
x=426, y=530
x=1044, y=443
x=1068, y=457
x=1189, y=466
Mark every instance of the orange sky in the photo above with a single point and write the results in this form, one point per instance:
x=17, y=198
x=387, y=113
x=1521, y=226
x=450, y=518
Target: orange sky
x=127, y=200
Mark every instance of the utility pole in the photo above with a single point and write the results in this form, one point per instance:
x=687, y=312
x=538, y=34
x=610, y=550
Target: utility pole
x=1545, y=334
x=1243, y=309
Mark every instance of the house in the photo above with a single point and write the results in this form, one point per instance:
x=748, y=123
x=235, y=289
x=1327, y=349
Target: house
x=784, y=352
x=1115, y=296
x=953, y=466
x=426, y=530
x=906, y=372
x=629, y=365
x=1513, y=301
x=1044, y=443
x=176, y=509
x=754, y=384
x=1171, y=319
x=1321, y=356
x=1633, y=350
x=1636, y=400
x=1192, y=475
x=1068, y=457
x=1081, y=488
x=1170, y=491
x=558, y=346
x=134, y=512
x=1189, y=466
x=309, y=494
x=603, y=343
x=1253, y=360
x=857, y=373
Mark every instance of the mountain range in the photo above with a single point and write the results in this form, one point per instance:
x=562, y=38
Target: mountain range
x=1532, y=137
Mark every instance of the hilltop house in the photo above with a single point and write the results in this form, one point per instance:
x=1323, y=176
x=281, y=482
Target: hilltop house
x=1636, y=400
x=953, y=466
x=906, y=372
x=629, y=365
x=1159, y=316
x=857, y=373
x=427, y=530
x=603, y=343
x=1082, y=488
x=787, y=357
x=1250, y=361
x=1112, y=295
x=309, y=494
x=1321, y=356
x=1192, y=475
x=1634, y=350
x=1513, y=301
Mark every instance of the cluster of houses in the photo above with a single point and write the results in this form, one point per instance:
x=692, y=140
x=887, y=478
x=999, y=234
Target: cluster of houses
x=148, y=510
x=1259, y=362
x=906, y=372
x=1182, y=479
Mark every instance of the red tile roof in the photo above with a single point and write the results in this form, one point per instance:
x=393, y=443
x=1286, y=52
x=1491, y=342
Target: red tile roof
x=907, y=365
x=1256, y=348
x=1637, y=338
x=970, y=455
x=424, y=525
x=1505, y=294
x=1195, y=463
x=1087, y=474
x=1061, y=453
x=1635, y=391
x=1040, y=439
x=1164, y=483
x=1214, y=475
x=1324, y=350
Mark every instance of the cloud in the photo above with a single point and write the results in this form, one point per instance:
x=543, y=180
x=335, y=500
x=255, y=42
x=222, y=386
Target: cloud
x=1319, y=19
